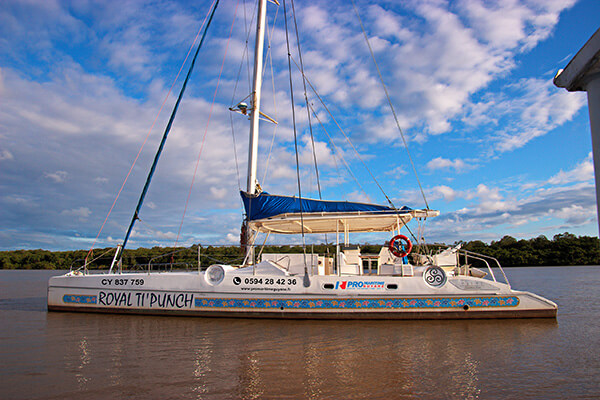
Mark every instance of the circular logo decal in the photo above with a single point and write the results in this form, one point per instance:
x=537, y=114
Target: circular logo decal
x=237, y=280
x=435, y=276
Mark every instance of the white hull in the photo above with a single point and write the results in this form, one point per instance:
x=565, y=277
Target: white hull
x=242, y=294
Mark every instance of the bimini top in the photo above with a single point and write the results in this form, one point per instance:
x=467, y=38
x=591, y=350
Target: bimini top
x=292, y=215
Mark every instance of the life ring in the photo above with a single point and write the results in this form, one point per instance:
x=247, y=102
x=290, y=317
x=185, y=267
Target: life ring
x=400, y=246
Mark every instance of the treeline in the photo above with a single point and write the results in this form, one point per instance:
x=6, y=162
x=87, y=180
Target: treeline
x=563, y=249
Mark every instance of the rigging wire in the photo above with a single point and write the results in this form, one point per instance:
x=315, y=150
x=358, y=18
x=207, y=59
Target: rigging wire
x=255, y=10
x=337, y=150
x=347, y=138
x=207, y=123
x=237, y=165
x=148, y=134
x=270, y=55
x=233, y=96
x=166, y=133
x=312, y=139
x=387, y=95
x=295, y=133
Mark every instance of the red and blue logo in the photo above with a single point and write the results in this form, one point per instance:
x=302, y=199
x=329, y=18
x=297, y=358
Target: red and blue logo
x=359, y=285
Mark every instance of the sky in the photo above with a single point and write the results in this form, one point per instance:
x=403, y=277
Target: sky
x=498, y=149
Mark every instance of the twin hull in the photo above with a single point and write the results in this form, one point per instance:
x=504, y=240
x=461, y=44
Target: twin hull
x=276, y=296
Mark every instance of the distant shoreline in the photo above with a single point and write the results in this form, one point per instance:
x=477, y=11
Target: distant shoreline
x=563, y=250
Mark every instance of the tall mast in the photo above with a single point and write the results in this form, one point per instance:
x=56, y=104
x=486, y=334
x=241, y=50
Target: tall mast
x=257, y=84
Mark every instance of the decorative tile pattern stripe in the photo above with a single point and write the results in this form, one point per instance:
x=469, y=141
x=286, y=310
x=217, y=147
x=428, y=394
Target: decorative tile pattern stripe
x=349, y=303
x=80, y=299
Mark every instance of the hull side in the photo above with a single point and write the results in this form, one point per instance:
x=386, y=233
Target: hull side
x=190, y=295
x=393, y=315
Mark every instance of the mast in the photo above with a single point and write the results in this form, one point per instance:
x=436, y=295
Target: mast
x=256, y=84
x=253, y=142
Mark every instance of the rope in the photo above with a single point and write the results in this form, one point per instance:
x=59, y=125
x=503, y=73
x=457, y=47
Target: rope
x=95, y=259
x=207, y=123
x=167, y=130
x=147, y=135
x=387, y=95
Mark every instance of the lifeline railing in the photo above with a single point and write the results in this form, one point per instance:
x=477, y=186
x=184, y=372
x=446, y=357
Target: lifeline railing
x=200, y=257
x=484, y=258
x=206, y=255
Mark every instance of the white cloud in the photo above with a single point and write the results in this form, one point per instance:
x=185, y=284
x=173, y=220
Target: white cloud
x=396, y=171
x=58, y=176
x=536, y=108
x=581, y=173
x=491, y=215
x=575, y=214
x=93, y=113
x=20, y=200
x=514, y=24
x=359, y=197
x=492, y=202
x=165, y=235
x=82, y=213
x=445, y=192
x=444, y=163
x=6, y=155
x=218, y=193
x=101, y=180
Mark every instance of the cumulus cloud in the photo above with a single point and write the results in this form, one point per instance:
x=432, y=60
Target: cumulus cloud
x=490, y=214
x=93, y=113
x=396, y=171
x=82, y=213
x=57, y=177
x=444, y=163
x=101, y=180
x=581, y=173
x=575, y=214
x=218, y=193
x=445, y=192
x=534, y=108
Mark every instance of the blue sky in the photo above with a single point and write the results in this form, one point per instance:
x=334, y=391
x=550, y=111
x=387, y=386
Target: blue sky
x=499, y=150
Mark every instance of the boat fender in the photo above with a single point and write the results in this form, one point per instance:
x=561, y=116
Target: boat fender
x=306, y=280
x=400, y=246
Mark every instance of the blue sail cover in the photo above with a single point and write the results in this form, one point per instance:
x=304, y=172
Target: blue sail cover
x=266, y=205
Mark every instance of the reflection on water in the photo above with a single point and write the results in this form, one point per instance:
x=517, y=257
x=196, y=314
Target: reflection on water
x=215, y=358
x=94, y=356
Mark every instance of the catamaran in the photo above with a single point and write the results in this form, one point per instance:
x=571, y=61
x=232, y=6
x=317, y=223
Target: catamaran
x=441, y=285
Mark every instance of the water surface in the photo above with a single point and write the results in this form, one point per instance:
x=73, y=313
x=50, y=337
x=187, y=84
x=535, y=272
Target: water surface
x=94, y=356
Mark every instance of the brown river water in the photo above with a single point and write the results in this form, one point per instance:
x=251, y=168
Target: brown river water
x=99, y=356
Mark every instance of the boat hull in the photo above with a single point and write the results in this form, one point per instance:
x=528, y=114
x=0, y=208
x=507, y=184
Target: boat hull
x=326, y=297
x=362, y=315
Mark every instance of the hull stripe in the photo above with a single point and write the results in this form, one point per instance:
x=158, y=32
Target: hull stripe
x=350, y=303
x=80, y=299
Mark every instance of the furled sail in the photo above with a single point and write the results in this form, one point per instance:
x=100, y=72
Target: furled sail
x=282, y=214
